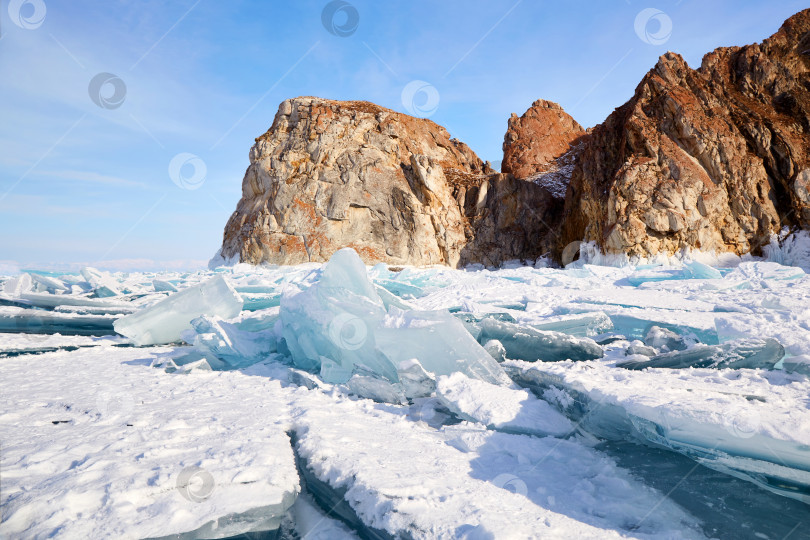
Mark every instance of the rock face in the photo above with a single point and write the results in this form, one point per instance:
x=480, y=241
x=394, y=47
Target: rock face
x=715, y=158
x=534, y=141
x=331, y=174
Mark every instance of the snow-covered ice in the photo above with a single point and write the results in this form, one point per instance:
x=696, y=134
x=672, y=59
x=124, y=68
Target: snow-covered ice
x=339, y=401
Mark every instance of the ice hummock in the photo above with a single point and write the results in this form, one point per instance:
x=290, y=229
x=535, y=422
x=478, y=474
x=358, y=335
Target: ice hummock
x=751, y=353
x=102, y=284
x=342, y=318
x=530, y=344
x=164, y=321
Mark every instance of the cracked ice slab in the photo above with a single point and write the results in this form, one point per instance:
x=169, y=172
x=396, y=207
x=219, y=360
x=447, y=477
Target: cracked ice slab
x=103, y=446
x=752, y=424
x=501, y=408
x=466, y=482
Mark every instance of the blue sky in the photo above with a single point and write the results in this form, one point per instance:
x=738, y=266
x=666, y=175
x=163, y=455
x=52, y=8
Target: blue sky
x=84, y=183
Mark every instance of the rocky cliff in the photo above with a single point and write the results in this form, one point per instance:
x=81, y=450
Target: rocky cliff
x=715, y=158
x=331, y=174
x=397, y=189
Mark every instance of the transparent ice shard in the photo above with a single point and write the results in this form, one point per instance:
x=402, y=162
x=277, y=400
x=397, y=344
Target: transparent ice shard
x=530, y=344
x=343, y=318
x=164, y=321
x=376, y=389
x=500, y=407
x=580, y=325
x=223, y=339
x=415, y=381
x=16, y=286
x=102, y=284
x=752, y=353
x=48, y=284
x=161, y=285
x=696, y=270
x=438, y=341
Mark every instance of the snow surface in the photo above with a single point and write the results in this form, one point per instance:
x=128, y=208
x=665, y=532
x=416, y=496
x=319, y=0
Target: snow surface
x=103, y=439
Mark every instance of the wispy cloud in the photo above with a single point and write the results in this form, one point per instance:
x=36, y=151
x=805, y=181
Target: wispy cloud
x=92, y=177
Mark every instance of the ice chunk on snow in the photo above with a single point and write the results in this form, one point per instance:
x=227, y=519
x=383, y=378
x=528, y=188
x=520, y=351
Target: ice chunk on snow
x=161, y=285
x=697, y=270
x=500, y=407
x=164, y=321
x=495, y=349
x=16, y=286
x=376, y=389
x=48, y=283
x=580, y=325
x=665, y=339
x=749, y=353
x=530, y=344
x=227, y=342
x=342, y=318
x=103, y=284
x=415, y=381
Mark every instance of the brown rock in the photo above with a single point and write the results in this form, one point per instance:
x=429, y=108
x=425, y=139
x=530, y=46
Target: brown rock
x=397, y=189
x=715, y=158
x=535, y=140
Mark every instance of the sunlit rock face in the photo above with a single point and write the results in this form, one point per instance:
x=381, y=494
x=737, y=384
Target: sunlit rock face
x=397, y=189
x=715, y=158
x=331, y=174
